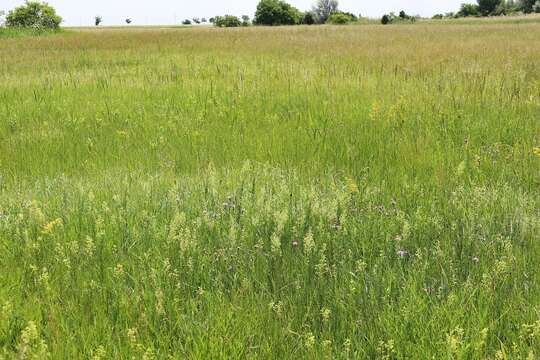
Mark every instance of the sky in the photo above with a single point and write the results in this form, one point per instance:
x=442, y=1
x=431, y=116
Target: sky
x=166, y=12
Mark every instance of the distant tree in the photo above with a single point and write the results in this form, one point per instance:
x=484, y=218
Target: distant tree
x=467, y=10
x=2, y=18
x=385, y=19
x=341, y=18
x=526, y=6
x=536, y=7
x=403, y=15
x=308, y=18
x=128, y=21
x=488, y=7
x=437, y=16
x=186, y=22
x=203, y=20
x=323, y=9
x=212, y=20
x=245, y=20
x=98, y=20
x=34, y=14
x=227, y=21
x=196, y=20
x=276, y=12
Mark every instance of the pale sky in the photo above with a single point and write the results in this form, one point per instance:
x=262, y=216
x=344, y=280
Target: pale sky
x=165, y=12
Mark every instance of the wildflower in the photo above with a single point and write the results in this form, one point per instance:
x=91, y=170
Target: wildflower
x=403, y=253
x=309, y=243
x=536, y=151
x=325, y=313
x=309, y=340
x=275, y=243
x=476, y=259
x=351, y=186
x=295, y=243
x=48, y=228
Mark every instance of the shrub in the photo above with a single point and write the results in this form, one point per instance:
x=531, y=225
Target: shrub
x=468, y=10
x=341, y=18
x=437, y=17
x=276, y=12
x=98, y=20
x=186, y=22
x=227, y=21
x=245, y=20
x=308, y=18
x=34, y=14
x=385, y=19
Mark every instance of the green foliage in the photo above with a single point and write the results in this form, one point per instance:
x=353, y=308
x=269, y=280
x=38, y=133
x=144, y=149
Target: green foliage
x=488, y=7
x=323, y=9
x=34, y=14
x=341, y=18
x=98, y=20
x=468, y=10
x=308, y=18
x=385, y=19
x=228, y=21
x=245, y=195
x=186, y=22
x=276, y=12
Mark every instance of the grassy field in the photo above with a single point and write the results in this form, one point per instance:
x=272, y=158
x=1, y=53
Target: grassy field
x=296, y=192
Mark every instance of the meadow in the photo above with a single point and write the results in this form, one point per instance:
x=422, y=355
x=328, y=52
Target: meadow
x=351, y=192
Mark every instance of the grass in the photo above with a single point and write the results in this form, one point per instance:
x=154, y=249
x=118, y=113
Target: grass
x=296, y=192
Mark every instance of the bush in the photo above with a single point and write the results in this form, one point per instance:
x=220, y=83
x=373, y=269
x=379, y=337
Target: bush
x=276, y=12
x=385, y=19
x=34, y=14
x=186, y=22
x=308, y=18
x=227, y=21
x=468, y=10
x=98, y=20
x=341, y=18
x=437, y=17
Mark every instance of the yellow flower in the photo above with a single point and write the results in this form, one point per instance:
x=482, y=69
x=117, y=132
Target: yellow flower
x=536, y=151
x=48, y=228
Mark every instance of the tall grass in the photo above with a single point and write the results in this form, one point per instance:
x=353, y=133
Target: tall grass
x=326, y=192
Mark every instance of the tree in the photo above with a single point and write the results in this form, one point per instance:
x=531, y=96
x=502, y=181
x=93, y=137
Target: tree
x=341, y=18
x=276, y=12
x=203, y=20
x=186, y=22
x=487, y=7
x=323, y=9
x=34, y=14
x=2, y=18
x=536, y=7
x=98, y=20
x=196, y=20
x=227, y=21
x=385, y=19
x=527, y=6
x=128, y=21
x=468, y=10
x=245, y=20
x=308, y=18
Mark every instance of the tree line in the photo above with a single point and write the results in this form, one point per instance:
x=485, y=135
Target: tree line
x=39, y=15
x=494, y=8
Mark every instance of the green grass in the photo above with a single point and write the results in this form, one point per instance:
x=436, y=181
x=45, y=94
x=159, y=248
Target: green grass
x=296, y=192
